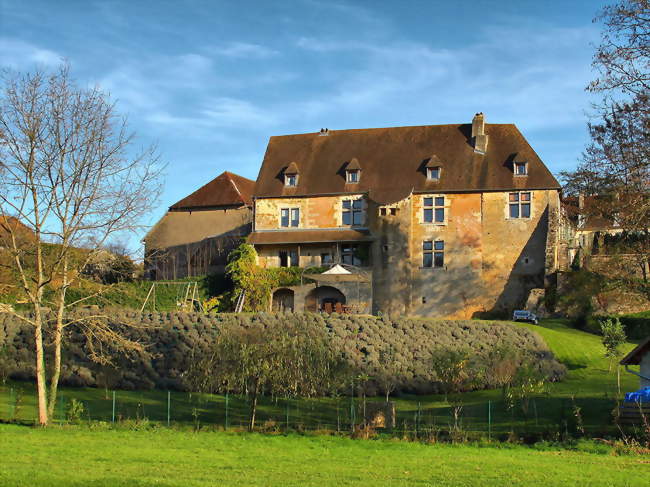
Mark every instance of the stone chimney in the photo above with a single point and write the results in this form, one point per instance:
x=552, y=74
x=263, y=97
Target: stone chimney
x=479, y=139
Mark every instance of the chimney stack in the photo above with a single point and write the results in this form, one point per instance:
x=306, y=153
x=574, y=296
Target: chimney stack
x=479, y=139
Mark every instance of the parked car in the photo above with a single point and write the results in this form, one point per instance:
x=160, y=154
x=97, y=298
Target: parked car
x=523, y=315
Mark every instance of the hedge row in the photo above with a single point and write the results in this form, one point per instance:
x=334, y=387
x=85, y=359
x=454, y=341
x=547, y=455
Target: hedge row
x=636, y=327
x=176, y=340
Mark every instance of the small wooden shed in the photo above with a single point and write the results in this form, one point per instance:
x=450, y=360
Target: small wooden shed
x=639, y=356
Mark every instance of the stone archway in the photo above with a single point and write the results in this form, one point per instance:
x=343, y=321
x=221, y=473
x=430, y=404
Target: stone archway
x=283, y=300
x=324, y=298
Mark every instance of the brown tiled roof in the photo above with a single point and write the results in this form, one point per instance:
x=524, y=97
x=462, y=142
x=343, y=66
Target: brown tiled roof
x=594, y=219
x=308, y=236
x=292, y=169
x=434, y=161
x=395, y=159
x=635, y=356
x=354, y=165
x=227, y=189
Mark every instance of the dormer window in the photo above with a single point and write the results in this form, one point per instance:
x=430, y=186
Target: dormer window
x=433, y=173
x=290, y=179
x=291, y=175
x=352, y=176
x=521, y=169
x=353, y=171
x=433, y=168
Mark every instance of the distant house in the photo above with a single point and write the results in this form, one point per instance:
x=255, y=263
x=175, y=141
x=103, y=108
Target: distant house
x=196, y=234
x=595, y=239
x=439, y=220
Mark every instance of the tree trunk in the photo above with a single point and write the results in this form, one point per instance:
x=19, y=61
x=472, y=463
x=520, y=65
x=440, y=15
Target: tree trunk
x=251, y=426
x=41, y=384
x=58, y=334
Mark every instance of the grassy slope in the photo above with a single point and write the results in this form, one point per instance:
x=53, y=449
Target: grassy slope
x=588, y=385
x=80, y=457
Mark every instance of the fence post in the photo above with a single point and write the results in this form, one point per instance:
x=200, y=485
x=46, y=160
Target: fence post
x=338, y=416
x=417, y=422
x=489, y=420
x=113, y=415
x=287, y=412
x=61, y=408
x=226, y=423
x=169, y=407
x=12, y=404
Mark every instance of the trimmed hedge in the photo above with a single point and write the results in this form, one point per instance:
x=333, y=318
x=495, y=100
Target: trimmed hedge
x=637, y=326
x=176, y=340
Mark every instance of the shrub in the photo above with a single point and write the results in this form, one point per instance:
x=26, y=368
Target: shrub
x=178, y=340
x=74, y=411
x=636, y=326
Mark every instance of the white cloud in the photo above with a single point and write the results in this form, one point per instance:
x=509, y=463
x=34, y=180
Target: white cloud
x=230, y=112
x=20, y=55
x=535, y=80
x=243, y=50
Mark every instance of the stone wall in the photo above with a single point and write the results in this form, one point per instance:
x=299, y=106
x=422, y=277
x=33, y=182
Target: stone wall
x=357, y=295
x=491, y=262
x=315, y=212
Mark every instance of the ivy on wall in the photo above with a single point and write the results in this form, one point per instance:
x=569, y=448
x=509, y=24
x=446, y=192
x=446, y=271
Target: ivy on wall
x=257, y=281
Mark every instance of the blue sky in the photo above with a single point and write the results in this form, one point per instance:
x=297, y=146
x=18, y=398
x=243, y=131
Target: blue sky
x=211, y=81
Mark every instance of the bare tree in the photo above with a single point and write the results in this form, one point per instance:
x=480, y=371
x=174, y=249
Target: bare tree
x=615, y=167
x=622, y=59
x=69, y=174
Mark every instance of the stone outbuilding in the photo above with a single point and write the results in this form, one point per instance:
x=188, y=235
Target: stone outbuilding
x=198, y=232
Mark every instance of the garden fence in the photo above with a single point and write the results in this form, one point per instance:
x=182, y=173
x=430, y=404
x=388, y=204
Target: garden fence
x=414, y=417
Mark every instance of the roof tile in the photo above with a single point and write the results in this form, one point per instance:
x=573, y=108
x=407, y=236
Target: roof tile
x=395, y=161
x=227, y=189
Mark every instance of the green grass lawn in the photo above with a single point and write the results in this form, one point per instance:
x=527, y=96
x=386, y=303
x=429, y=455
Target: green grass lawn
x=83, y=457
x=588, y=386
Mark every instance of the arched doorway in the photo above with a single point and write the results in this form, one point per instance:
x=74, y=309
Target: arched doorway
x=324, y=298
x=283, y=300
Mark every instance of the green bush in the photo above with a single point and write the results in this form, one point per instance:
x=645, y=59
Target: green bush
x=636, y=326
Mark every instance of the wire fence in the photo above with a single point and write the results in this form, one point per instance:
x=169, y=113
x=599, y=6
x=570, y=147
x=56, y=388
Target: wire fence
x=490, y=418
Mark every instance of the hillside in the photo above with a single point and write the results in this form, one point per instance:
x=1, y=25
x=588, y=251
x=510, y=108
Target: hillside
x=588, y=385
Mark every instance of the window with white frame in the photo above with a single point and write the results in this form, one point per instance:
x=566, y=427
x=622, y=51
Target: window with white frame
x=289, y=217
x=433, y=253
x=433, y=173
x=519, y=204
x=433, y=209
x=290, y=179
x=521, y=168
x=352, y=212
x=353, y=175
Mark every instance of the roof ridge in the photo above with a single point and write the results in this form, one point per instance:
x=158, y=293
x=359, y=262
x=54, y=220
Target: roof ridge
x=333, y=131
x=241, y=198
